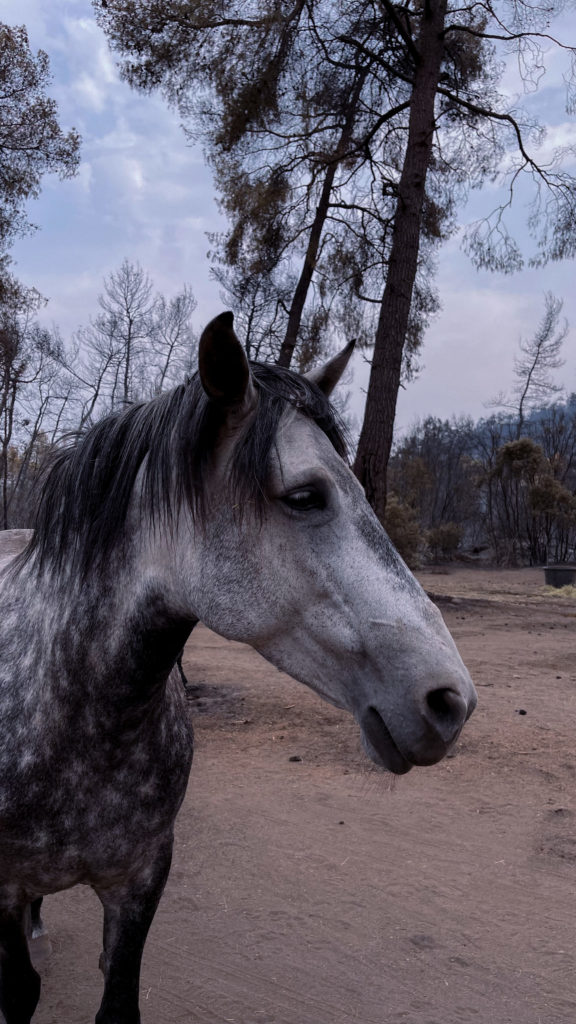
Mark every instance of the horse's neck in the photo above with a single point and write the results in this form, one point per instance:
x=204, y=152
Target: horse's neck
x=115, y=630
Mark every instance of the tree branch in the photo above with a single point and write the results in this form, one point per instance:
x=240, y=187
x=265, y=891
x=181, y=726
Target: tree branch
x=402, y=30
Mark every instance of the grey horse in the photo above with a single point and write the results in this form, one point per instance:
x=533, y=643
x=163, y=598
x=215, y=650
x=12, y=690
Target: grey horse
x=227, y=501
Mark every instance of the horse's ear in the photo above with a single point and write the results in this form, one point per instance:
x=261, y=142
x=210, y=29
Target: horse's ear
x=223, y=366
x=327, y=376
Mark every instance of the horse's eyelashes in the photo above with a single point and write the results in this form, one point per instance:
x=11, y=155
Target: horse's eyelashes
x=307, y=499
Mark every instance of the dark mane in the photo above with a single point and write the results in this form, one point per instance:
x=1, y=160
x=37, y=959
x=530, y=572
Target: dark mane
x=170, y=440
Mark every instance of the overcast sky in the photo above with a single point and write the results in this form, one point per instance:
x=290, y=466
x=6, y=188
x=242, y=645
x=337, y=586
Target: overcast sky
x=142, y=193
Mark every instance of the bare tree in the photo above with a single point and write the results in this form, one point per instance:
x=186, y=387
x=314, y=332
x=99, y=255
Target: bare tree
x=33, y=393
x=138, y=344
x=126, y=322
x=171, y=356
x=539, y=355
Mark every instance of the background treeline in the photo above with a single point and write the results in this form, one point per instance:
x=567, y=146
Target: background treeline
x=502, y=488
x=465, y=488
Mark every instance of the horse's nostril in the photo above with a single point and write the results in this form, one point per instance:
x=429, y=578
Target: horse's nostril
x=442, y=702
x=471, y=706
x=446, y=712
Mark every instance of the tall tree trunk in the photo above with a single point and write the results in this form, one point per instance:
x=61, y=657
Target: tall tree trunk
x=377, y=430
x=309, y=265
x=126, y=389
x=7, y=431
x=4, y=462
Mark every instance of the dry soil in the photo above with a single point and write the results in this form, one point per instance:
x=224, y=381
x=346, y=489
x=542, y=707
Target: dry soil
x=322, y=891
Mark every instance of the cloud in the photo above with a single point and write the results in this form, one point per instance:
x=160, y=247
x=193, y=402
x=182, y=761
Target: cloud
x=83, y=180
x=143, y=193
x=557, y=137
x=89, y=92
x=468, y=354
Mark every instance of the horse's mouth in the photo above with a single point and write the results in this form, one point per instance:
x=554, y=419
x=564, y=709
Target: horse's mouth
x=380, y=745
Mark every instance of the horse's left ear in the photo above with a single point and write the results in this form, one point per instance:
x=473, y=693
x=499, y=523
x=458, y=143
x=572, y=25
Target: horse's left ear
x=223, y=367
x=327, y=376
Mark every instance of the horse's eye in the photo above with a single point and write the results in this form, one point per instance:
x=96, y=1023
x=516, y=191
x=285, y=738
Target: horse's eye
x=305, y=500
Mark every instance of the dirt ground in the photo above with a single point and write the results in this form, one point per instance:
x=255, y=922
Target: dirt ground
x=310, y=888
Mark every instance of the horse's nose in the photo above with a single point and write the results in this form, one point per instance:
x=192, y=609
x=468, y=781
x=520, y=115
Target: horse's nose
x=445, y=710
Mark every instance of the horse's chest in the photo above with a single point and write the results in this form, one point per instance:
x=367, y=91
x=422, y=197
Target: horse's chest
x=92, y=808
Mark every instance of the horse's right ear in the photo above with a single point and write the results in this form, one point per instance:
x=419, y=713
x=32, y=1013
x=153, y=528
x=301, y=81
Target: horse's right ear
x=327, y=376
x=223, y=366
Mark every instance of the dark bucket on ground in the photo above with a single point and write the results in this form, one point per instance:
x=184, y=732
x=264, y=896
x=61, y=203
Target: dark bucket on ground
x=560, y=575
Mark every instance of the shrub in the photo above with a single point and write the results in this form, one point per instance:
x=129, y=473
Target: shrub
x=444, y=540
x=403, y=528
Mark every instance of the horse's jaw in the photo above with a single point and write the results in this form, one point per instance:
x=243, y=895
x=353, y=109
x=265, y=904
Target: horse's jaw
x=407, y=688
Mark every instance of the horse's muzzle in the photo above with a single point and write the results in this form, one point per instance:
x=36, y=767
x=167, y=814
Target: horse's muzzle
x=442, y=715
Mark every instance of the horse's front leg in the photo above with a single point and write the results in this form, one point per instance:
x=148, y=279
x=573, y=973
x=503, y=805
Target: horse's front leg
x=39, y=944
x=128, y=914
x=19, y=982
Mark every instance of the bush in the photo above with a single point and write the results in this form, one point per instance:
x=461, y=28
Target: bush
x=403, y=529
x=522, y=458
x=444, y=540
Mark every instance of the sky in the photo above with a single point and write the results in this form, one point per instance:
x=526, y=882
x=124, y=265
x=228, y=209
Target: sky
x=143, y=193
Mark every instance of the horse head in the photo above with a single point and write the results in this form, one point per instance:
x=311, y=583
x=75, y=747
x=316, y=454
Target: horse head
x=305, y=573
